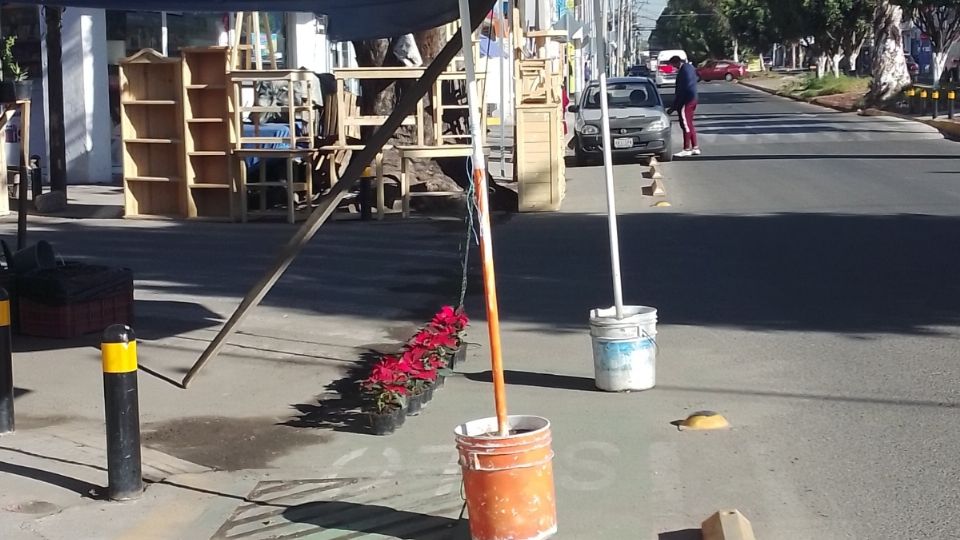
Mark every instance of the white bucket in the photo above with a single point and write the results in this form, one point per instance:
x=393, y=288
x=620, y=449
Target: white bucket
x=624, y=350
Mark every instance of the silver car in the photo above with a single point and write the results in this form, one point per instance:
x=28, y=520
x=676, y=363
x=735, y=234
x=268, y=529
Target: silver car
x=639, y=126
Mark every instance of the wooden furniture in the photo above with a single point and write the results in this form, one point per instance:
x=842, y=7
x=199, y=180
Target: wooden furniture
x=292, y=148
x=207, y=133
x=249, y=55
x=539, y=166
x=408, y=153
x=151, y=131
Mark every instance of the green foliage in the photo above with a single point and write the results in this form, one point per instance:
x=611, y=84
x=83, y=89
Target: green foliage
x=751, y=22
x=11, y=68
x=696, y=26
x=810, y=86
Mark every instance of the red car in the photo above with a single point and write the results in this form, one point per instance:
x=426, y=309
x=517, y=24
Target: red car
x=715, y=70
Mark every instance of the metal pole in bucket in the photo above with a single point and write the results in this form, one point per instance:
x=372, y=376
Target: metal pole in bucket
x=486, y=238
x=600, y=28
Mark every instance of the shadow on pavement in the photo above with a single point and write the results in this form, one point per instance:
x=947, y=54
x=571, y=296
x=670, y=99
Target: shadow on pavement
x=858, y=274
x=339, y=408
x=80, y=487
x=371, y=519
x=791, y=157
x=686, y=534
x=540, y=380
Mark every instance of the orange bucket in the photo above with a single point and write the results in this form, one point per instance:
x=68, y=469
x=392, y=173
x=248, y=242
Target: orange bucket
x=508, y=480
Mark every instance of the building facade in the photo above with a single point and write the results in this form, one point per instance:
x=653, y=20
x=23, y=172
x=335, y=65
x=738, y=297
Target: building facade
x=94, y=43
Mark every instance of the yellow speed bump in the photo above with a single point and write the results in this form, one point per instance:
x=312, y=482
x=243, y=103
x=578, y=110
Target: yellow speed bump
x=704, y=420
x=727, y=525
x=663, y=204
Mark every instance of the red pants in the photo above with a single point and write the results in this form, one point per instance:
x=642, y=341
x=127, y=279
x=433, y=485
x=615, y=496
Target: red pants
x=686, y=124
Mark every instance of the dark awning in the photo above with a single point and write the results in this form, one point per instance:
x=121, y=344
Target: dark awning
x=347, y=19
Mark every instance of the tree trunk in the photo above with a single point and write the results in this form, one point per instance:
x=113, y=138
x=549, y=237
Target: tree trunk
x=821, y=65
x=890, y=73
x=835, y=59
x=939, y=64
x=853, y=56
x=793, y=56
x=736, y=50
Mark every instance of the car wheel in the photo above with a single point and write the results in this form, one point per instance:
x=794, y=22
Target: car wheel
x=665, y=157
x=728, y=77
x=579, y=157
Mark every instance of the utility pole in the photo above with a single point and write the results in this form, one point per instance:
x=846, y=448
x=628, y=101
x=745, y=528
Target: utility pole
x=58, y=154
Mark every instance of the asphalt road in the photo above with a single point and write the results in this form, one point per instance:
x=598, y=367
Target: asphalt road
x=806, y=278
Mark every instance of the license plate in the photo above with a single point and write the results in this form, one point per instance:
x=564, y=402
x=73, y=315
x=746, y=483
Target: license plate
x=623, y=142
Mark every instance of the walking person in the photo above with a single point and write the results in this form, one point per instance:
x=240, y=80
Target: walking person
x=685, y=103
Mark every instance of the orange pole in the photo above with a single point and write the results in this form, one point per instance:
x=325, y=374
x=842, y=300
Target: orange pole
x=490, y=291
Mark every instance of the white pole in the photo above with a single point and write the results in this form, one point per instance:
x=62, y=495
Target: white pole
x=600, y=16
x=164, y=36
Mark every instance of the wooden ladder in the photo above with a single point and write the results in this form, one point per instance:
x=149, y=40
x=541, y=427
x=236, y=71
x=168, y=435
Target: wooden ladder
x=249, y=55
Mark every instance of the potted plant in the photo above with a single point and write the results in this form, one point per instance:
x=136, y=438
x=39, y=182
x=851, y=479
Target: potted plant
x=452, y=323
x=14, y=85
x=385, y=392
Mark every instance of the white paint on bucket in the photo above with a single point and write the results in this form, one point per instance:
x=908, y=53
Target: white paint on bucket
x=624, y=350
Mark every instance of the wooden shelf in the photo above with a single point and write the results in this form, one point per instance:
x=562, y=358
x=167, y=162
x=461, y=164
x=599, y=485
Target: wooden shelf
x=151, y=130
x=209, y=186
x=207, y=132
x=148, y=102
x=275, y=109
x=154, y=141
x=153, y=179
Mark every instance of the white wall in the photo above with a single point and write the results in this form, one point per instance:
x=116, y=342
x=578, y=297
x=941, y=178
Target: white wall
x=308, y=47
x=86, y=102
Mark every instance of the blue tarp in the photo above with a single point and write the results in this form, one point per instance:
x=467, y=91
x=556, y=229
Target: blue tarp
x=346, y=19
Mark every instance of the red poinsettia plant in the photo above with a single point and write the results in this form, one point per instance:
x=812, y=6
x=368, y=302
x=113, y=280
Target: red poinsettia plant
x=387, y=386
x=454, y=321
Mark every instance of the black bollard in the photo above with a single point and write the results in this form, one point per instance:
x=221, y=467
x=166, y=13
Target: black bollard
x=122, y=410
x=923, y=100
x=6, y=366
x=951, y=99
x=935, y=98
x=36, y=177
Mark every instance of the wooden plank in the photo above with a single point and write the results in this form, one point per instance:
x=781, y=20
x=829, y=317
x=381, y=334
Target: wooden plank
x=325, y=209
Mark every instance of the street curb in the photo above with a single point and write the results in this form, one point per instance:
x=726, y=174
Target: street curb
x=727, y=525
x=811, y=101
x=951, y=130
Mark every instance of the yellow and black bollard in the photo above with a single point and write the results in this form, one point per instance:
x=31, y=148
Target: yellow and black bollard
x=6, y=366
x=951, y=103
x=935, y=98
x=923, y=101
x=122, y=410
x=911, y=94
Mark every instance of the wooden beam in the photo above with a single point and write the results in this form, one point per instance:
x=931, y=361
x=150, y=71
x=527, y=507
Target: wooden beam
x=360, y=160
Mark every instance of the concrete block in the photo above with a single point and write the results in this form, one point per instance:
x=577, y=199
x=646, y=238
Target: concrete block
x=51, y=203
x=727, y=525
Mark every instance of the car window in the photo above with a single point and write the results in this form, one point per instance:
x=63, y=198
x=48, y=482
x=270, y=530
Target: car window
x=624, y=95
x=723, y=66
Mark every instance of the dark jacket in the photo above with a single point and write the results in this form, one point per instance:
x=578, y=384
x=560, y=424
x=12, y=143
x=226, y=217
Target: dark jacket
x=686, y=90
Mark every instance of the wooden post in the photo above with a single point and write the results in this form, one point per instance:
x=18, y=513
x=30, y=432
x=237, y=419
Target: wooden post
x=358, y=162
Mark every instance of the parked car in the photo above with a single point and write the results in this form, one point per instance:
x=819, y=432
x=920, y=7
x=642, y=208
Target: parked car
x=714, y=70
x=912, y=66
x=639, y=71
x=667, y=74
x=639, y=125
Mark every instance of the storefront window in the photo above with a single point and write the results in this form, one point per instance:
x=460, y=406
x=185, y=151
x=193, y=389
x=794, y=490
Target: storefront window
x=135, y=29
x=194, y=30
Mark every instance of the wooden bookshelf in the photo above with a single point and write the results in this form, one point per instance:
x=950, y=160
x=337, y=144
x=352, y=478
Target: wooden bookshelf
x=150, y=112
x=207, y=133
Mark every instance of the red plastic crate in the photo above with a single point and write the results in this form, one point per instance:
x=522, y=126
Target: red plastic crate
x=72, y=320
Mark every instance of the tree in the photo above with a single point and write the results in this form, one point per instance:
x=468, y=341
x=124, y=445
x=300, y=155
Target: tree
x=696, y=26
x=940, y=21
x=890, y=73
x=751, y=23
